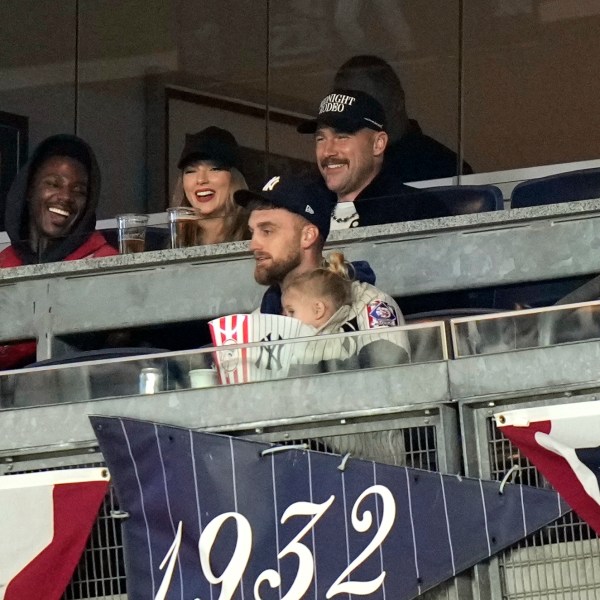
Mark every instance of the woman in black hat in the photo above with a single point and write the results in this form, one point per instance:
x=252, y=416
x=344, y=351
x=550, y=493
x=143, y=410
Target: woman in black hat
x=209, y=175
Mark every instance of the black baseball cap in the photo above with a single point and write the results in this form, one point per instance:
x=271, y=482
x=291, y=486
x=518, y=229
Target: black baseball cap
x=307, y=198
x=347, y=111
x=212, y=143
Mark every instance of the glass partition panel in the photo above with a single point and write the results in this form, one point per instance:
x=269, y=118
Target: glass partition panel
x=523, y=329
x=221, y=80
x=37, y=81
x=120, y=44
x=152, y=72
x=415, y=75
x=224, y=365
x=530, y=84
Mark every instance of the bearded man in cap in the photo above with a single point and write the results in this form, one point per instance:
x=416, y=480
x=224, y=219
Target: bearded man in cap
x=289, y=223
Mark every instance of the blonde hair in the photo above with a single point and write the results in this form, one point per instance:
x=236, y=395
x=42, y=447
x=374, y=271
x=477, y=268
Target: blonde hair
x=235, y=225
x=332, y=280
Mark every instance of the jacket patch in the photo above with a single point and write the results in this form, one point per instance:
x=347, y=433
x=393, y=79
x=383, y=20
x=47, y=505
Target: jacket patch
x=381, y=314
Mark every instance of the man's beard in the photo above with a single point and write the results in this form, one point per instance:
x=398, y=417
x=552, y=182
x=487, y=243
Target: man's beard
x=278, y=270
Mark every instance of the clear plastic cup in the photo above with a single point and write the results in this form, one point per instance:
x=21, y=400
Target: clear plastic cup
x=200, y=378
x=183, y=226
x=132, y=233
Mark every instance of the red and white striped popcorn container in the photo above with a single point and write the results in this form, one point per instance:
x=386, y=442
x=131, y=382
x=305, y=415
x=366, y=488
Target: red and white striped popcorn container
x=260, y=363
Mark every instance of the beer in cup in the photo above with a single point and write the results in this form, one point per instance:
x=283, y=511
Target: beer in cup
x=132, y=233
x=183, y=225
x=263, y=362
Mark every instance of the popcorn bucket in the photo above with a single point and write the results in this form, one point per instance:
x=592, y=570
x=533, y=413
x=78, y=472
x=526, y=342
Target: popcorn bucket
x=260, y=363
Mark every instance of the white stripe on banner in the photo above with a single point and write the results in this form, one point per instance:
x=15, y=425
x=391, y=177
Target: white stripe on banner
x=523, y=512
x=574, y=437
x=448, y=525
x=412, y=528
x=524, y=416
x=378, y=527
x=143, y=507
x=485, y=520
x=312, y=529
x=200, y=528
x=235, y=498
x=27, y=480
x=168, y=501
x=346, y=523
x=274, y=486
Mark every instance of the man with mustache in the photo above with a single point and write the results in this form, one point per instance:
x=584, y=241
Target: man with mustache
x=50, y=216
x=289, y=222
x=350, y=143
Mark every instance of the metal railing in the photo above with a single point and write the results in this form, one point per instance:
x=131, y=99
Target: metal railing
x=405, y=415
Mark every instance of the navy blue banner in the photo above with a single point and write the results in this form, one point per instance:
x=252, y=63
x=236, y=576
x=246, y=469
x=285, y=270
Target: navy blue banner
x=213, y=516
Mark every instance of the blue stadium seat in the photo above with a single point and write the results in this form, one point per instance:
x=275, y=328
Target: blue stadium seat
x=429, y=203
x=467, y=199
x=563, y=187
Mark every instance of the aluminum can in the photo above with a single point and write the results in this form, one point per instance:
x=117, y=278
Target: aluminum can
x=151, y=380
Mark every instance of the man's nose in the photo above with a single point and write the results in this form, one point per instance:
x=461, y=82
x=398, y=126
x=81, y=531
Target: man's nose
x=65, y=193
x=254, y=245
x=329, y=147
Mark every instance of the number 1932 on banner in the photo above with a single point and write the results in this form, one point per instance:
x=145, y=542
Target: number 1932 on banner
x=214, y=517
x=229, y=579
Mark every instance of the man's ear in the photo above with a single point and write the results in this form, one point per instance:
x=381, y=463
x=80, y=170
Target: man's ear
x=310, y=234
x=380, y=142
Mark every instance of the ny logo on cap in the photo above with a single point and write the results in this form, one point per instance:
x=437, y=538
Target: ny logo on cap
x=268, y=187
x=309, y=209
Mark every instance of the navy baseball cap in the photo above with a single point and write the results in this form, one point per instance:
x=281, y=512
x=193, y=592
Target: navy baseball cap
x=304, y=197
x=212, y=143
x=347, y=111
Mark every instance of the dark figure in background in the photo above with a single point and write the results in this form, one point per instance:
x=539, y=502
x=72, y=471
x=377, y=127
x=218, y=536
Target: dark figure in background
x=51, y=216
x=350, y=132
x=412, y=155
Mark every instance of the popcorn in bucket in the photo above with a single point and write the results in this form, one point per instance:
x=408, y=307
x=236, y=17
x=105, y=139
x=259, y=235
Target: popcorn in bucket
x=259, y=363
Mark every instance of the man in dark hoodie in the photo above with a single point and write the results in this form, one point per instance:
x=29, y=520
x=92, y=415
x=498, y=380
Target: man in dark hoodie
x=51, y=216
x=50, y=210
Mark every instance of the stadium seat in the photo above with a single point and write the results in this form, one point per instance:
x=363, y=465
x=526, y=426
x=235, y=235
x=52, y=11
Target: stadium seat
x=467, y=199
x=563, y=187
x=429, y=203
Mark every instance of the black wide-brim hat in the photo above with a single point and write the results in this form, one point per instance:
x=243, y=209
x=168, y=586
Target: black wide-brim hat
x=214, y=144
